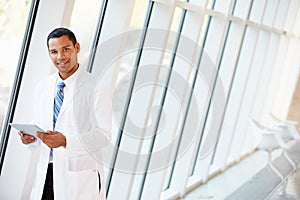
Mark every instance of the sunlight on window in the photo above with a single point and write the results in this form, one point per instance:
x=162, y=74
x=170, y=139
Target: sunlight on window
x=13, y=18
x=83, y=23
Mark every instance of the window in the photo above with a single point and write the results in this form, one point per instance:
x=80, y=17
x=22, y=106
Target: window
x=13, y=18
x=83, y=23
x=160, y=128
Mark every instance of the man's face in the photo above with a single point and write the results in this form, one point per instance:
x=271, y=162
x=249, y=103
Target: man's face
x=64, y=55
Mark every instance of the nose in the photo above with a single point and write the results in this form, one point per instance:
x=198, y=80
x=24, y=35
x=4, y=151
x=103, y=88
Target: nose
x=60, y=55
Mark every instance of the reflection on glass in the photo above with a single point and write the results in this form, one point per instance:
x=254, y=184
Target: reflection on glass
x=13, y=17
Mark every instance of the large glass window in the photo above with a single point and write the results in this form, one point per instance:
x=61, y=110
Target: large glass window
x=166, y=104
x=13, y=18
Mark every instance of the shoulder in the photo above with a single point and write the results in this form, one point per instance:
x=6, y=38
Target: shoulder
x=45, y=82
x=92, y=83
x=83, y=75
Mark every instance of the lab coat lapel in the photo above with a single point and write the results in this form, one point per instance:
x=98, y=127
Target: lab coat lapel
x=49, y=102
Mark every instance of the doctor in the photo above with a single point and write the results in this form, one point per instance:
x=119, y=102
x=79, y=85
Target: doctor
x=75, y=109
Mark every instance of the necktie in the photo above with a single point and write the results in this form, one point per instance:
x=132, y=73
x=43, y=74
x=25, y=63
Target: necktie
x=58, y=101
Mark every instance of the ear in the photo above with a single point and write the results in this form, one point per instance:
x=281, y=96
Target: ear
x=77, y=47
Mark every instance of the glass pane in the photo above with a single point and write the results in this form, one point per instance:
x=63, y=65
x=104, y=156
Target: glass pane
x=83, y=22
x=282, y=11
x=138, y=14
x=222, y=6
x=257, y=10
x=233, y=115
x=13, y=18
x=226, y=73
x=270, y=13
x=242, y=8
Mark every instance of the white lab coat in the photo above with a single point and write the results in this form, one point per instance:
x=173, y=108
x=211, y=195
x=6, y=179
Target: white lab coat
x=76, y=168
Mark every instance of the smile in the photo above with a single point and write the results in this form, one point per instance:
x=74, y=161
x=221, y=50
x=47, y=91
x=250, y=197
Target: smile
x=63, y=63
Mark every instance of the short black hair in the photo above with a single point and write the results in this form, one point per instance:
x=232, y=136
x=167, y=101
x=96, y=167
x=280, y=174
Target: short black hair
x=58, y=32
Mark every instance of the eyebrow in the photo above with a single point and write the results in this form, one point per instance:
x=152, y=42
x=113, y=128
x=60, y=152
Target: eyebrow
x=61, y=48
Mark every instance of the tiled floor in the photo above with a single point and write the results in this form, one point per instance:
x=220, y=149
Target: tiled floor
x=292, y=190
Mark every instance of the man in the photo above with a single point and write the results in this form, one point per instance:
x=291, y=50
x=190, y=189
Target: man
x=76, y=112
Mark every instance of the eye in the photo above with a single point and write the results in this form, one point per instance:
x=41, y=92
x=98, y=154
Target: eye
x=53, y=52
x=66, y=48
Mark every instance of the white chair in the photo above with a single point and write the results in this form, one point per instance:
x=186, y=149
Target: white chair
x=269, y=141
x=287, y=128
x=274, y=138
x=270, y=137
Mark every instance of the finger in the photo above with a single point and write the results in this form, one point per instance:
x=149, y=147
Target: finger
x=51, y=132
x=40, y=132
x=48, y=142
x=41, y=135
x=30, y=140
x=46, y=138
x=27, y=139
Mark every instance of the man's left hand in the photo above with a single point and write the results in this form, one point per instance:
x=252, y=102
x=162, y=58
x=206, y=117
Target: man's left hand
x=53, y=139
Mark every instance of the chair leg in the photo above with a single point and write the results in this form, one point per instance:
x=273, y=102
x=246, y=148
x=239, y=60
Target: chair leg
x=293, y=131
x=276, y=171
x=273, y=167
x=290, y=160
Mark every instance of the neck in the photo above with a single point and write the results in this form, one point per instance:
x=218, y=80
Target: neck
x=66, y=75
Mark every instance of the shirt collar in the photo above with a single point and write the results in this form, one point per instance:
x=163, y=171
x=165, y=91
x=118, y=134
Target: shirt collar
x=71, y=79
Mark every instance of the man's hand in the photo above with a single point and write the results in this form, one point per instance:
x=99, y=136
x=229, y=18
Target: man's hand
x=53, y=139
x=26, y=139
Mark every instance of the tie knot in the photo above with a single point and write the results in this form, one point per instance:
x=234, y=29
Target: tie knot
x=61, y=85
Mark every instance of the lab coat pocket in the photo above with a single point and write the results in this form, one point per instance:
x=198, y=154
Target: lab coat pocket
x=83, y=185
x=81, y=163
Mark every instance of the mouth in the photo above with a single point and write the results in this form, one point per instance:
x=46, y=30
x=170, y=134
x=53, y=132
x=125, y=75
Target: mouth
x=62, y=63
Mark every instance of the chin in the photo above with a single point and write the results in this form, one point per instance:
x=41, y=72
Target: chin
x=62, y=69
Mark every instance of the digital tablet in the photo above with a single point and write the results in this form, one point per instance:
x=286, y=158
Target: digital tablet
x=29, y=129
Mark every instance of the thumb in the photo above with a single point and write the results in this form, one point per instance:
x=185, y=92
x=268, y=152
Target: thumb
x=50, y=132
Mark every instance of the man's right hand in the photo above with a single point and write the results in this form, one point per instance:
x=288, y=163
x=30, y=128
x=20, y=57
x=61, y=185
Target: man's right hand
x=26, y=139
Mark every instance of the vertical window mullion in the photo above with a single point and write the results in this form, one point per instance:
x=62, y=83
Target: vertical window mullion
x=95, y=42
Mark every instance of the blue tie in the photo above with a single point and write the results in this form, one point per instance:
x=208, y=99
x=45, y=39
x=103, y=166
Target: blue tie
x=58, y=101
